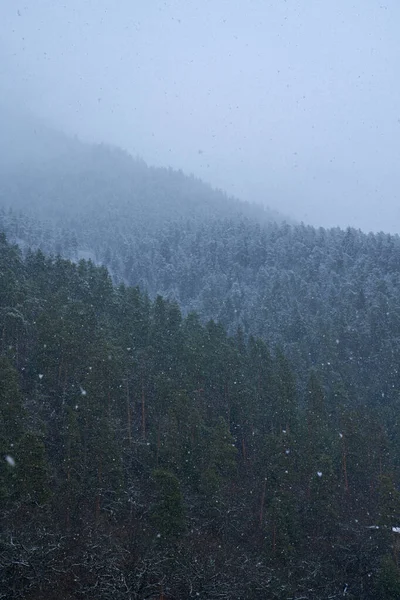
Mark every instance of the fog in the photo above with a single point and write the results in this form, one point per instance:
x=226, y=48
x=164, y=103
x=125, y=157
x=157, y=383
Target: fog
x=293, y=103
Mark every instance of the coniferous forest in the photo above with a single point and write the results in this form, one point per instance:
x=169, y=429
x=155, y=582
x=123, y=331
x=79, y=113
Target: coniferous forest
x=148, y=455
x=195, y=401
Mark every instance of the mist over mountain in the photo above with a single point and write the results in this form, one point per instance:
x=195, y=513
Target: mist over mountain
x=26, y=140
x=294, y=106
x=46, y=170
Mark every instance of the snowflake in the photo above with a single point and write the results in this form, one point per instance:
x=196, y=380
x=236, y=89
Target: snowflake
x=10, y=460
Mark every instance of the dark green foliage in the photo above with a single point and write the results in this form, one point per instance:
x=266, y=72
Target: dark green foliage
x=31, y=472
x=11, y=429
x=146, y=455
x=388, y=580
x=167, y=512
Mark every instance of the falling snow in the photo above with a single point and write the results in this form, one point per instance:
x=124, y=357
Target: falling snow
x=10, y=460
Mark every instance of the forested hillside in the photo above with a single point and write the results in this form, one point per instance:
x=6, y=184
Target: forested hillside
x=145, y=455
x=330, y=298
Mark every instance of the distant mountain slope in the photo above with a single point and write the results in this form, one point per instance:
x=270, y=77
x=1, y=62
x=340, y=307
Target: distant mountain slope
x=61, y=178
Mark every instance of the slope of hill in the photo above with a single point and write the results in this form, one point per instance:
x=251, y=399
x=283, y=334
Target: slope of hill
x=328, y=297
x=62, y=179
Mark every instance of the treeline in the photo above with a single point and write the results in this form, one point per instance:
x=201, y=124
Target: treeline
x=145, y=455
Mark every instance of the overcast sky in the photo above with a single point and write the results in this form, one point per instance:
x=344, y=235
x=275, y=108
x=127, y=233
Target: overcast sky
x=295, y=103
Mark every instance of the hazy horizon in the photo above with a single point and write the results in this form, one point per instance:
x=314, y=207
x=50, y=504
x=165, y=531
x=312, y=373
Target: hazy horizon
x=292, y=104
